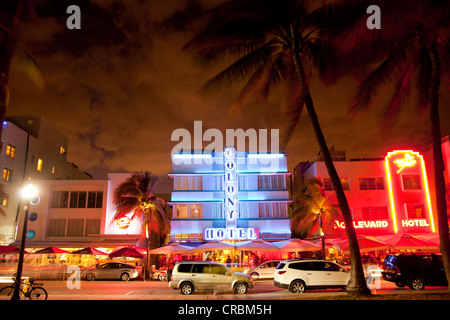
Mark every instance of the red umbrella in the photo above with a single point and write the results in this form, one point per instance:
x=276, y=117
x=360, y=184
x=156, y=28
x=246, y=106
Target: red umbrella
x=10, y=250
x=127, y=252
x=407, y=241
x=432, y=237
x=90, y=251
x=51, y=250
x=366, y=243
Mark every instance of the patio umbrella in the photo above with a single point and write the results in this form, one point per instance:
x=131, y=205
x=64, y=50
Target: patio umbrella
x=407, y=241
x=51, y=250
x=90, y=251
x=256, y=245
x=171, y=248
x=432, y=237
x=295, y=244
x=366, y=243
x=132, y=252
x=329, y=243
x=10, y=250
x=214, y=245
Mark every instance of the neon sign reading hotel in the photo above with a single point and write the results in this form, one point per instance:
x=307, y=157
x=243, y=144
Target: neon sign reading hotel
x=404, y=197
x=400, y=161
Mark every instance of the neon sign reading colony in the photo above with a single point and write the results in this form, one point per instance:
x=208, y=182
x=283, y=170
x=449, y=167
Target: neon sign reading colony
x=231, y=212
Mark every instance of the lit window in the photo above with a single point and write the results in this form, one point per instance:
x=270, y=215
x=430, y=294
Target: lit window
x=39, y=164
x=11, y=150
x=411, y=182
x=415, y=211
x=62, y=150
x=328, y=186
x=4, y=197
x=371, y=183
x=7, y=174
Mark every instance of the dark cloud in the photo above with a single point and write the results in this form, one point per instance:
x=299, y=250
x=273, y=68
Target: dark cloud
x=120, y=86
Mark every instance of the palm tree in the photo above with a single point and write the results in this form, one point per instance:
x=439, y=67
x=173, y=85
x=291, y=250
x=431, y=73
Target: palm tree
x=9, y=19
x=412, y=50
x=275, y=42
x=136, y=195
x=310, y=209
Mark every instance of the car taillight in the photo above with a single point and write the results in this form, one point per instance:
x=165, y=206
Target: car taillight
x=281, y=272
x=171, y=278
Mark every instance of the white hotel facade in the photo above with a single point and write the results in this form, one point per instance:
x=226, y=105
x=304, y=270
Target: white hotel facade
x=229, y=195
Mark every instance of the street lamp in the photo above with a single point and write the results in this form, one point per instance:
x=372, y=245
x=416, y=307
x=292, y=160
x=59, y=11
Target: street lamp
x=29, y=193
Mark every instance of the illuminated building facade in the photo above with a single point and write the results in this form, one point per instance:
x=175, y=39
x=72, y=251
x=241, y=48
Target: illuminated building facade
x=229, y=195
x=31, y=149
x=386, y=195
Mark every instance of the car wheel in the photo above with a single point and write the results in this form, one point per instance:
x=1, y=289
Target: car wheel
x=162, y=277
x=255, y=275
x=417, y=283
x=186, y=288
x=124, y=277
x=90, y=277
x=241, y=288
x=298, y=286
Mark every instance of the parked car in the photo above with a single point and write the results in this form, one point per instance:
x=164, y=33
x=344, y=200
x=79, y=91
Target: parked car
x=300, y=275
x=264, y=271
x=190, y=276
x=414, y=270
x=160, y=275
x=113, y=271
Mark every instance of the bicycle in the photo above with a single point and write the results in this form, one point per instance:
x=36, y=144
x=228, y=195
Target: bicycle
x=31, y=290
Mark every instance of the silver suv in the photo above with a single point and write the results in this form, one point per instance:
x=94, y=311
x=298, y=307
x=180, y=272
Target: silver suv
x=190, y=276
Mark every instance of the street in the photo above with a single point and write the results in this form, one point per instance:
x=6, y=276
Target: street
x=157, y=290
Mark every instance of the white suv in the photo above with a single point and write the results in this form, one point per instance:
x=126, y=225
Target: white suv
x=298, y=275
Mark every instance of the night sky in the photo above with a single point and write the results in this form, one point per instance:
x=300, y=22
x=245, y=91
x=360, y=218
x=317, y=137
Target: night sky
x=119, y=87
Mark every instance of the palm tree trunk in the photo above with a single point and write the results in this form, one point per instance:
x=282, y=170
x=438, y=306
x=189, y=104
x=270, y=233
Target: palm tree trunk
x=357, y=285
x=147, y=233
x=439, y=179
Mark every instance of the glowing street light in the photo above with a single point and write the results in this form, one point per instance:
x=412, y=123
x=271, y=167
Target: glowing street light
x=28, y=193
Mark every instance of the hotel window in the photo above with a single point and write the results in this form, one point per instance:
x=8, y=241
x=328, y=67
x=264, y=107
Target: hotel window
x=371, y=183
x=56, y=228
x=60, y=199
x=7, y=174
x=411, y=182
x=188, y=183
x=271, y=182
x=95, y=199
x=217, y=182
x=188, y=211
x=11, y=150
x=78, y=199
x=242, y=182
x=415, y=211
x=75, y=227
x=92, y=227
x=40, y=162
x=62, y=150
x=243, y=210
x=272, y=210
x=375, y=213
x=328, y=186
x=4, y=198
x=217, y=212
